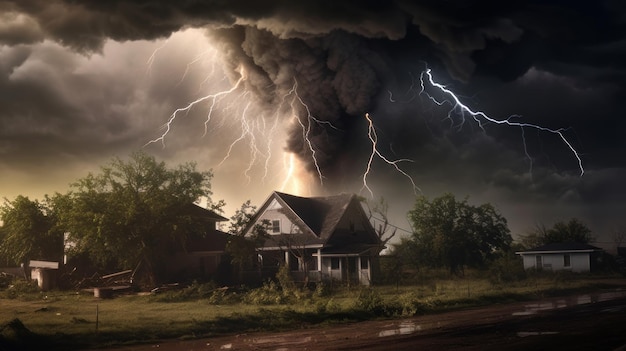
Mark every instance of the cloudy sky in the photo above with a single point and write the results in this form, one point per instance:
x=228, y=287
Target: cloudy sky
x=273, y=95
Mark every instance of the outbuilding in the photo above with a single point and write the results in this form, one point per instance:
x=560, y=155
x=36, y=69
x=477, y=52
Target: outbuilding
x=574, y=257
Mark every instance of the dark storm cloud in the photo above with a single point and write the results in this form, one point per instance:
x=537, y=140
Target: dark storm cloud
x=558, y=63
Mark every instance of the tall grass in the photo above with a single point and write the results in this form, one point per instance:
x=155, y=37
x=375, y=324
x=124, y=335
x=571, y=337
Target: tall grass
x=70, y=319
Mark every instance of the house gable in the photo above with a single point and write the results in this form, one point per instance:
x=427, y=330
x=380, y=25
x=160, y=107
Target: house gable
x=353, y=229
x=338, y=221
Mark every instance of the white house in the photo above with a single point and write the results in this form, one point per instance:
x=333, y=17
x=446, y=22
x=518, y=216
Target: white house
x=319, y=238
x=574, y=257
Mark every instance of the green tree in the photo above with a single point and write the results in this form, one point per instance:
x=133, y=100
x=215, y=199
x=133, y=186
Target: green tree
x=242, y=249
x=561, y=232
x=451, y=233
x=29, y=232
x=134, y=212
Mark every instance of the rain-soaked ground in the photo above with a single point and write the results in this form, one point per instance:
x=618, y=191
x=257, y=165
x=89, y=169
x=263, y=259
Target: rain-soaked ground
x=581, y=322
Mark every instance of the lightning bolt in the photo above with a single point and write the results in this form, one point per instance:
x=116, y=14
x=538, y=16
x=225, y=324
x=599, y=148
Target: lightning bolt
x=251, y=128
x=373, y=137
x=296, y=101
x=213, y=97
x=481, y=117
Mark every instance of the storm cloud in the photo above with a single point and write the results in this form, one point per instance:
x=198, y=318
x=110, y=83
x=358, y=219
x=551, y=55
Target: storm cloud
x=559, y=64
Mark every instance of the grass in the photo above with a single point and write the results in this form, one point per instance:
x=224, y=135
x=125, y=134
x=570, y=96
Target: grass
x=68, y=320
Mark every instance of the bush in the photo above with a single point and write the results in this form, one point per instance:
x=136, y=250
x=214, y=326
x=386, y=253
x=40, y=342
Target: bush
x=269, y=294
x=197, y=291
x=371, y=302
x=411, y=304
x=328, y=306
x=20, y=287
x=506, y=269
x=5, y=280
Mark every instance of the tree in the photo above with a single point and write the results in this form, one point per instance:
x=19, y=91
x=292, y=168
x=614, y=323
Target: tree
x=618, y=236
x=242, y=249
x=134, y=212
x=450, y=233
x=572, y=231
x=377, y=214
x=534, y=237
x=29, y=232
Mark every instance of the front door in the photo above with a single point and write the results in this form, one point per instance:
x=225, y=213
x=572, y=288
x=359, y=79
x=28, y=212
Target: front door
x=538, y=262
x=352, y=270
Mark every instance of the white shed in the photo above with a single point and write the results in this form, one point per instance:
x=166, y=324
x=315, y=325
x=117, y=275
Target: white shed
x=44, y=272
x=574, y=257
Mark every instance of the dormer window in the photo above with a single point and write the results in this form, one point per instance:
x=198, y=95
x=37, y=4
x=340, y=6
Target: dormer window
x=275, y=226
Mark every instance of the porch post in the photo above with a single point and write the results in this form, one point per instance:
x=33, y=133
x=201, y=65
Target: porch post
x=319, y=260
x=358, y=269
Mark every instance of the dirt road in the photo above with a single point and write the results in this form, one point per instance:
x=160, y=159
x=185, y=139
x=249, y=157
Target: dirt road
x=585, y=322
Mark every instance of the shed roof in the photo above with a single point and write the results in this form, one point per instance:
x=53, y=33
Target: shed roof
x=561, y=247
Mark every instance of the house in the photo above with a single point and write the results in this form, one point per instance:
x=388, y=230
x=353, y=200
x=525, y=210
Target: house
x=203, y=253
x=574, y=257
x=318, y=238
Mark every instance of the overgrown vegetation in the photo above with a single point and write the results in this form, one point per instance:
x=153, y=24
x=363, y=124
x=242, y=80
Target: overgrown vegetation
x=76, y=319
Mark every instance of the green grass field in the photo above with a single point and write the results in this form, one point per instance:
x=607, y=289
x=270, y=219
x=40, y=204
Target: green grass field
x=70, y=320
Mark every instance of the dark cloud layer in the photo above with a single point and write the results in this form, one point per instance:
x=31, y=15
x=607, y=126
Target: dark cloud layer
x=557, y=63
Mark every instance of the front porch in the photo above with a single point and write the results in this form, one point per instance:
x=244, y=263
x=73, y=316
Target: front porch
x=316, y=266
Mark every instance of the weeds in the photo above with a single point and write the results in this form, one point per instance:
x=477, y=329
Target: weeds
x=20, y=288
x=203, y=309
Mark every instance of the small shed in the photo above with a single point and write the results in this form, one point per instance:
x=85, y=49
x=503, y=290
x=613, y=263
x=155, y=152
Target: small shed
x=44, y=272
x=574, y=257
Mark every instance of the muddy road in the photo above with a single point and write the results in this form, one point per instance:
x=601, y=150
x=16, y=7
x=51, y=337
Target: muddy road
x=584, y=322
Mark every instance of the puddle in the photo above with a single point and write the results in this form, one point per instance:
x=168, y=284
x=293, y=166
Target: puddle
x=534, y=308
x=282, y=340
x=403, y=328
x=534, y=333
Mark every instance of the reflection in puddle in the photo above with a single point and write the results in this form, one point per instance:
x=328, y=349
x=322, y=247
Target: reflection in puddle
x=561, y=303
x=404, y=328
x=534, y=308
x=525, y=334
x=282, y=340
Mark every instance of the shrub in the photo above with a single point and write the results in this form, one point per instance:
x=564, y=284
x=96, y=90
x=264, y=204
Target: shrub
x=371, y=302
x=321, y=290
x=20, y=287
x=410, y=304
x=268, y=294
x=506, y=269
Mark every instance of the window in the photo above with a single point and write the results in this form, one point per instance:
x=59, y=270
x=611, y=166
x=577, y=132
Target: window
x=365, y=263
x=334, y=263
x=276, y=226
x=567, y=260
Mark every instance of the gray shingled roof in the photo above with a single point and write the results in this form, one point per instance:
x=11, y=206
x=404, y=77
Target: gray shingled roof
x=320, y=214
x=204, y=213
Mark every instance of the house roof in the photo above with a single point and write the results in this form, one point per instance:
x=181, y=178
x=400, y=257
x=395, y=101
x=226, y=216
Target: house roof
x=316, y=217
x=195, y=210
x=561, y=247
x=320, y=214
